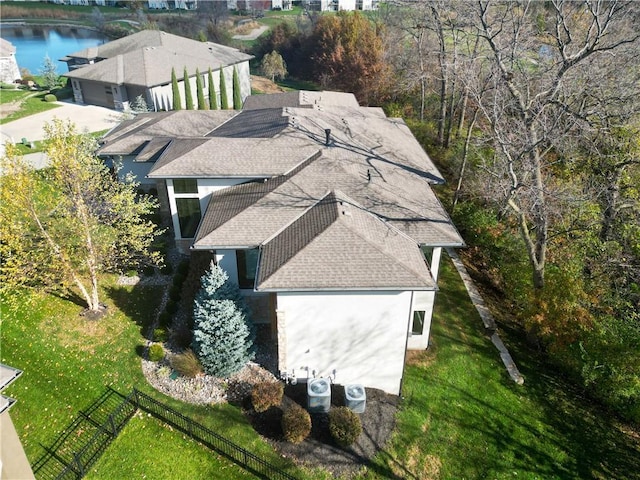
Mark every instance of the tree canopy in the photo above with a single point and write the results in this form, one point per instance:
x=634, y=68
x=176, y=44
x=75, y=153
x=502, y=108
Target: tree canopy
x=65, y=226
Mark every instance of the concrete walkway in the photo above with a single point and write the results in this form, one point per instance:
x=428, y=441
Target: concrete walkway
x=487, y=318
x=87, y=118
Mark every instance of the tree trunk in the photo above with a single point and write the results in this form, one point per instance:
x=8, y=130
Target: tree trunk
x=465, y=155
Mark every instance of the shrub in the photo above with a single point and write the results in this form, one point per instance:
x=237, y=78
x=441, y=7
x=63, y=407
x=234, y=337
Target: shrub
x=50, y=97
x=296, y=424
x=160, y=335
x=344, y=425
x=183, y=267
x=266, y=394
x=148, y=270
x=167, y=268
x=178, y=279
x=187, y=364
x=156, y=352
x=182, y=336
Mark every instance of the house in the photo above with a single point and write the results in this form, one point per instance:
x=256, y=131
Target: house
x=340, y=5
x=9, y=71
x=13, y=460
x=112, y=75
x=321, y=210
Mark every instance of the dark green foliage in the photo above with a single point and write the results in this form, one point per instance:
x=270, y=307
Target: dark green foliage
x=344, y=425
x=213, y=97
x=160, y=335
x=237, y=95
x=221, y=337
x=188, y=97
x=182, y=336
x=50, y=97
x=175, y=90
x=296, y=424
x=202, y=105
x=166, y=269
x=156, y=352
x=265, y=395
x=187, y=364
x=224, y=96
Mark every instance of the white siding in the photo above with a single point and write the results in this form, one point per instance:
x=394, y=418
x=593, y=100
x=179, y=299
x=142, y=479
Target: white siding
x=360, y=335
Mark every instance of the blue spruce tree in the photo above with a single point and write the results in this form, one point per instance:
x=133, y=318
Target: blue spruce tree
x=222, y=338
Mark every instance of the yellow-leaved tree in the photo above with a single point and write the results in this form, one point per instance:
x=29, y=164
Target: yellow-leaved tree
x=64, y=226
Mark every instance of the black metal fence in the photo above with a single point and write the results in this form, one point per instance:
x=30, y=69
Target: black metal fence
x=80, y=445
x=249, y=461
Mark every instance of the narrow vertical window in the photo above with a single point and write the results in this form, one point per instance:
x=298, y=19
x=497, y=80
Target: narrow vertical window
x=247, y=261
x=418, y=322
x=188, y=216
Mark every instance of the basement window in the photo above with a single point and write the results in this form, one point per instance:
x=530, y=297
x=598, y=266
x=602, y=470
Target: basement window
x=417, y=326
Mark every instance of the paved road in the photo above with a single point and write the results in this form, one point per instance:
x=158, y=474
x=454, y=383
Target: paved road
x=87, y=118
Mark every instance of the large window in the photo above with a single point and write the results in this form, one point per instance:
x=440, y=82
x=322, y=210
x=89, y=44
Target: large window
x=418, y=322
x=188, y=216
x=247, y=265
x=185, y=185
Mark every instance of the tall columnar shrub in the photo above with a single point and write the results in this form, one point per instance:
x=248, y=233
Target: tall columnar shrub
x=213, y=98
x=224, y=98
x=176, y=100
x=237, y=95
x=188, y=97
x=202, y=105
x=222, y=339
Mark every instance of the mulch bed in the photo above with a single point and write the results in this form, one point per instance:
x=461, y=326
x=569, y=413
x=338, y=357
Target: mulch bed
x=319, y=450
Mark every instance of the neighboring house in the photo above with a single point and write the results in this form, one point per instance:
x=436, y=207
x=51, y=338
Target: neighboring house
x=13, y=461
x=9, y=71
x=321, y=210
x=112, y=75
x=340, y=5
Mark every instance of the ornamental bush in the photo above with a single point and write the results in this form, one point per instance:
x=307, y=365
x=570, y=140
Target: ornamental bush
x=222, y=339
x=296, y=424
x=50, y=97
x=344, y=425
x=265, y=395
x=156, y=352
x=187, y=364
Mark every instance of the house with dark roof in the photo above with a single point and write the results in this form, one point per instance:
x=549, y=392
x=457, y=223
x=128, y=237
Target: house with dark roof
x=9, y=71
x=114, y=74
x=322, y=211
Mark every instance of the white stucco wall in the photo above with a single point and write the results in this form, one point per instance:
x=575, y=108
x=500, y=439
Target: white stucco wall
x=360, y=335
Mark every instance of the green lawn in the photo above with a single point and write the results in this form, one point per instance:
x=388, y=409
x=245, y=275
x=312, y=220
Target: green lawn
x=30, y=103
x=462, y=416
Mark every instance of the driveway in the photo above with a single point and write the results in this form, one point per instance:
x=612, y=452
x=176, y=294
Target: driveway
x=87, y=118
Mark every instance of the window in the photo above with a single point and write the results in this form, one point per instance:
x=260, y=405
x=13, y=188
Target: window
x=428, y=254
x=188, y=216
x=247, y=261
x=418, y=322
x=185, y=185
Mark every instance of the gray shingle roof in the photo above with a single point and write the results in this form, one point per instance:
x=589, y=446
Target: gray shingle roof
x=146, y=59
x=336, y=244
x=302, y=98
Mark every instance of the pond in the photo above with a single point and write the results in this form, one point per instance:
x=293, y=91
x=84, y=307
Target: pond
x=34, y=42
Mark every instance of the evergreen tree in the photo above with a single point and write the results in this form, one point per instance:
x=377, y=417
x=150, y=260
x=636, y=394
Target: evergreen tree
x=188, y=98
x=222, y=338
x=213, y=99
x=177, y=101
x=202, y=105
x=237, y=97
x=49, y=73
x=224, y=99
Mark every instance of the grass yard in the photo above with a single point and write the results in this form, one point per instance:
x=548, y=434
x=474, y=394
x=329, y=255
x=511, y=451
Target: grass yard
x=167, y=453
x=15, y=104
x=463, y=417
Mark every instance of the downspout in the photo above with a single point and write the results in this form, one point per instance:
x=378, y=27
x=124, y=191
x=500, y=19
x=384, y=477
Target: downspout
x=406, y=347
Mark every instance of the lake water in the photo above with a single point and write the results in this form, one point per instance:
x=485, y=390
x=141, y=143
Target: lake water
x=34, y=43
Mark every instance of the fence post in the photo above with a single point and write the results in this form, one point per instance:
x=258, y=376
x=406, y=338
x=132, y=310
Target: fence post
x=76, y=458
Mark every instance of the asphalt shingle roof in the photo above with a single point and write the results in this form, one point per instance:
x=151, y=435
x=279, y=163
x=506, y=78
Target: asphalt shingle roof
x=337, y=244
x=146, y=59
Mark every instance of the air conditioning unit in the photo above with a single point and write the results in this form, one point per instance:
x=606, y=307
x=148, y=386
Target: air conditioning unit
x=355, y=397
x=318, y=395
